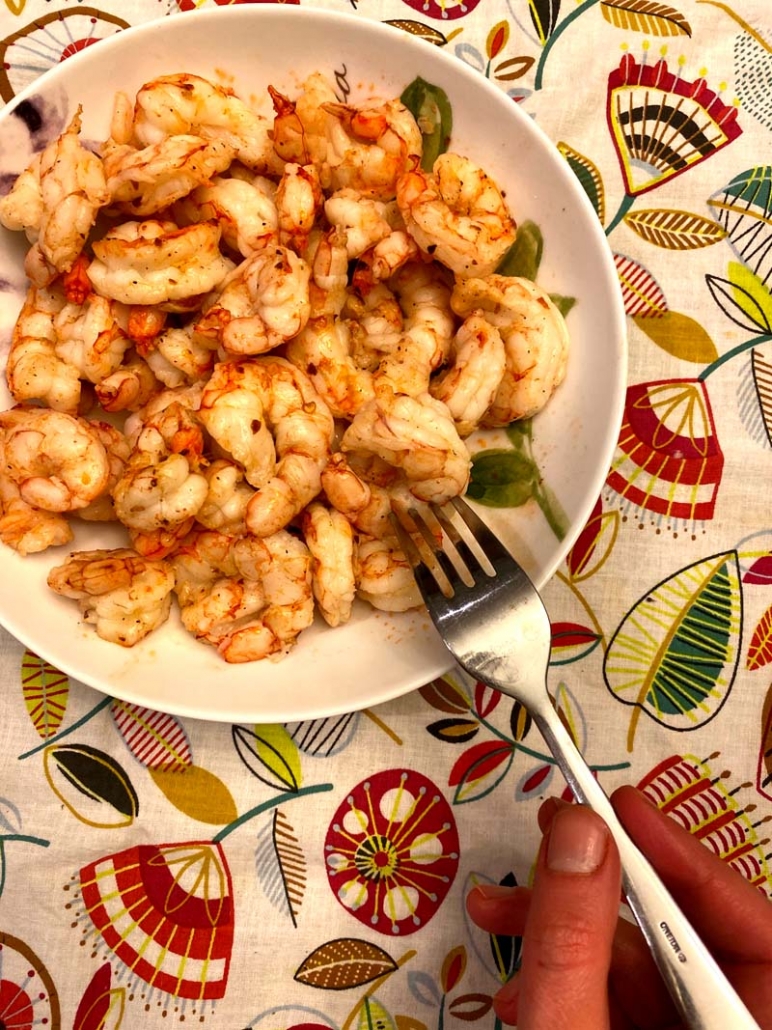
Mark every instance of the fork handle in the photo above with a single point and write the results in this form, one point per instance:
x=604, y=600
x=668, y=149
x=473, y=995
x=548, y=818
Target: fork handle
x=705, y=998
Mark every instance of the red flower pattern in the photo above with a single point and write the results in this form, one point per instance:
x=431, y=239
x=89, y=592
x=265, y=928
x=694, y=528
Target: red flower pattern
x=392, y=851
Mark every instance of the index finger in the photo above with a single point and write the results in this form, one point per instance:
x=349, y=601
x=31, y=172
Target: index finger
x=732, y=916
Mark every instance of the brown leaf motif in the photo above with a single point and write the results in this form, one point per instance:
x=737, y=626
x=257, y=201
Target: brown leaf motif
x=513, y=68
x=645, y=16
x=343, y=963
x=674, y=229
x=444, y=695
x=418, y=29
x=471, y=1007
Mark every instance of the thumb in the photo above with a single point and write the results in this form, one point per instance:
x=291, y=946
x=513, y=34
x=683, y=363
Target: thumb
x=563, y=982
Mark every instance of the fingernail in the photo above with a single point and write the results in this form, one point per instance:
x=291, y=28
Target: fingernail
x=492, y=891
x=547, y=812
x=578, y=841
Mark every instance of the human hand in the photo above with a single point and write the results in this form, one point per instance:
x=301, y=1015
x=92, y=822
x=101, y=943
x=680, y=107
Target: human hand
x=583, y=968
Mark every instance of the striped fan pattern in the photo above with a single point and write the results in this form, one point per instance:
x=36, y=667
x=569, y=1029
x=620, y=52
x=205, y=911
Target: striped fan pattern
x=661, y=124
x=687, y=789
x=668, y=460
x=166, y=911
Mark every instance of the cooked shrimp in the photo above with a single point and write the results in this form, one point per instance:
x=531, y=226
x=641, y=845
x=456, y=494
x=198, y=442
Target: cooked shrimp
x=303, y=427
x=174, y=105
x=56, y=203
x=154, y=262
x=227, y=616
x=242, y=404
x=423, y=292
x=248, y=598
x=262, y=303
x=169, y=420
x=363, y=220
x=201, y=558
x=385, y=579
x=382, y=260
x=328, y=258
x=359, y=502
x=57, y=460
x=179, y=358
x=416, y=435
x=300, y=126
x=244, y=209
x=470, y=385
x=92, y=337
x=370, y=146
x=323, y=351
x=282, y=565
x=376, y=324
x=130, y=386
x=535, y=340
x=364, y=494
x=34, y=371
x=161, y=487
x=26, y=529
x=232, y=411
x=330, y=539
x=117, y=448
x=75, y=281
x=124, y=595
x=158, y=494
x=457, y=214
x=146, y=181
x=144, y=326
x=161, y=542
x=299, y=199
x=225, y=505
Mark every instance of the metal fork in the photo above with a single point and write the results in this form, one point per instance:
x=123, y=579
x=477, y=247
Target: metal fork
x=494, y=623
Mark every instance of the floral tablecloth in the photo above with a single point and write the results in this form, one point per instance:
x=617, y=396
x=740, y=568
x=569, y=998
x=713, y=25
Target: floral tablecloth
x=157, y=870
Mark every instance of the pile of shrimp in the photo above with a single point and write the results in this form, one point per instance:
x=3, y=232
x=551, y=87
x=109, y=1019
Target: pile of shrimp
x=249, y=339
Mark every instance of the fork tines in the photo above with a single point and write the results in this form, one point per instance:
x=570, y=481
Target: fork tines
x=454, y=551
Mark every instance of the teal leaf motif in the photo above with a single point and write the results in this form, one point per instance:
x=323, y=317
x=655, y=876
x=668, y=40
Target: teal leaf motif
x=675, y=654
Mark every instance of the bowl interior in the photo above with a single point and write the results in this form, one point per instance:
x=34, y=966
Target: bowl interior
x=374, y=657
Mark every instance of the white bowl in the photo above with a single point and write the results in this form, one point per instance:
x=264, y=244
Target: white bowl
x=374, y=657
